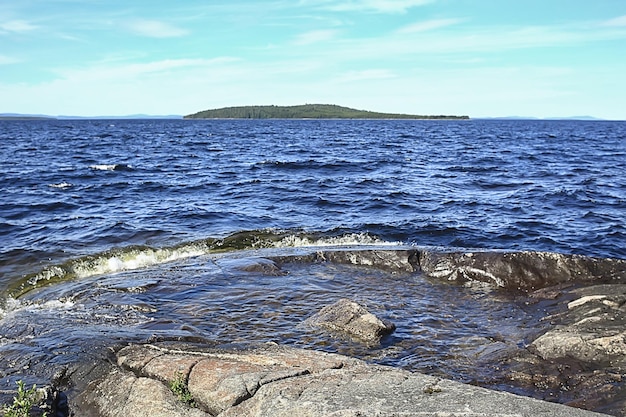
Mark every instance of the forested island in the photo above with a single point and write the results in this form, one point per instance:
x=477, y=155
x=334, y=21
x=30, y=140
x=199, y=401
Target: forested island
x=305, y=111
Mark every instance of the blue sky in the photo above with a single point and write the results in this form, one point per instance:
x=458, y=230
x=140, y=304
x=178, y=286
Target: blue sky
x=479, y=58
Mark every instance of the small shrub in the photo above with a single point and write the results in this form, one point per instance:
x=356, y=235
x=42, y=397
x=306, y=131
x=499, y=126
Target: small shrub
x=23, y=402
x=180, y=389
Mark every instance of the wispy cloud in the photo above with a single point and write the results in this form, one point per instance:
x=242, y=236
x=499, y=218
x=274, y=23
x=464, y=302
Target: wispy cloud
x=411, y=44
x=619, y=21
x=428, y=25
x=6, y=60
x=124, y=71
x=156, y=29
x=16, y=26
x=380, y=6
x=315, y=36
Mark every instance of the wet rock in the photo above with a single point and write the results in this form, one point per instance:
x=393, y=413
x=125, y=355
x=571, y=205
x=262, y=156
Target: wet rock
x=398, y=261
x=262, y=266
x=581, y=359
x=591, y=327
x=349, y=318
x=273, y=381
x=395, y=261
x=526, y=271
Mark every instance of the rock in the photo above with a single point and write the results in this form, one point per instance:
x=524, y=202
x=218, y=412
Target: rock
x=122, y=394
x=398, y=261
x=262, y=266
x=590, y=328
x=350, y=318
x=526, y=271
x=273, y=381
x=218, y=383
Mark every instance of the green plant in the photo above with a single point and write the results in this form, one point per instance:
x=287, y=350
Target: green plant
x=23, y=402
x=179, y=387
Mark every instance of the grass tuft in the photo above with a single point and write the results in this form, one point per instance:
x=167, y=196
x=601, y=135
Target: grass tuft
x=181, y=390
x=23, y=402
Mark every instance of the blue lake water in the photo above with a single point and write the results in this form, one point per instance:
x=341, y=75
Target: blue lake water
x=75, y=188
x=120, y=220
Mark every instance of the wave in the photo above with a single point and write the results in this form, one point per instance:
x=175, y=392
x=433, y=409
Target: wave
x=518, y=270
x=111, y=167
x=61, y=185
x=137, y=257
x=11, y=306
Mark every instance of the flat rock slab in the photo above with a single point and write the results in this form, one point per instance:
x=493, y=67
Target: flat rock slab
x=273, y=381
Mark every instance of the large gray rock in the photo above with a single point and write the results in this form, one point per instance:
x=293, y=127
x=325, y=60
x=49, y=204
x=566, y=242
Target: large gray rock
x=274, y=381
x=353, y=320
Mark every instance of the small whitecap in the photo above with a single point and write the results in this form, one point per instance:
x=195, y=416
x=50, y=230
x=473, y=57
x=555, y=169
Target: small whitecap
x=61, y=185
x=103, y=167
x=111, y=167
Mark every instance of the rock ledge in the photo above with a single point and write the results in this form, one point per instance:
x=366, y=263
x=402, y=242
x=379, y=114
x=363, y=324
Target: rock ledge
x=273, y=381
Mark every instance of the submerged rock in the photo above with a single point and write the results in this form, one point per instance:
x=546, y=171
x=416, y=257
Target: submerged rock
x=262, y=266
x=592, y=329
x=349, y=318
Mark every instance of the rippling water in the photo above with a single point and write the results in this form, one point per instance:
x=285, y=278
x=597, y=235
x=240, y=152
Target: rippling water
x=112, y=228
x=71, y=188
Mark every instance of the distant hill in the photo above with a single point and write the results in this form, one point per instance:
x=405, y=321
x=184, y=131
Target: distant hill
x=305, y=111
x=17, y=116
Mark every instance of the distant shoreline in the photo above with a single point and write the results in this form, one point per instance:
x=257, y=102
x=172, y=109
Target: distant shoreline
x=27, y=118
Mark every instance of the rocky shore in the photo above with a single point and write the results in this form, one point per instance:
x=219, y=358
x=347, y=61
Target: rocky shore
x=580, y=361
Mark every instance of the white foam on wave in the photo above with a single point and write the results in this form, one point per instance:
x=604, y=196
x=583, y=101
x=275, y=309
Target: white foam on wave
x=111, y=167
x=352, y=239
x=137, y=258
x=115, y=262
x=61, y=185
x=11, y=306
x=133, y=259
x=103, y=167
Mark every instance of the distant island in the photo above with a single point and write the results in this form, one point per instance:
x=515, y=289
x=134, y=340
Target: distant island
x=305, y=111
x=24, y=117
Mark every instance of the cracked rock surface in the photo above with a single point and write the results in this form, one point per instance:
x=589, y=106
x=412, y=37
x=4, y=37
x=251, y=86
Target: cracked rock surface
x=272, y=381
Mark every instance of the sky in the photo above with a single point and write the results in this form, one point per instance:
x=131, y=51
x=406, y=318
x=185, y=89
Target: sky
x=482, y=58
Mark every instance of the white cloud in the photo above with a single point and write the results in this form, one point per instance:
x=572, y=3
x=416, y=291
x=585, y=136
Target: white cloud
x=315, y=36
x=428, y=25
x=156, y=29
x=619, y=21
x=16, y=26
